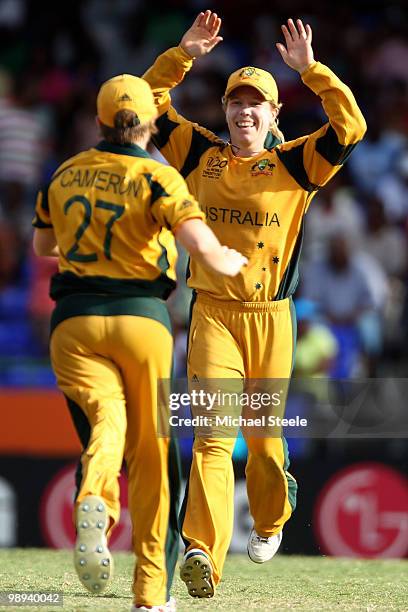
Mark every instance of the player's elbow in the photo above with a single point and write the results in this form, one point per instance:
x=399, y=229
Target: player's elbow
x=356, y=127
x=38, y=248
x=44, y=242
x=361, y=126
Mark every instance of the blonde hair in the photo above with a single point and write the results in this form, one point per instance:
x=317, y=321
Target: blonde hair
x=273, y=128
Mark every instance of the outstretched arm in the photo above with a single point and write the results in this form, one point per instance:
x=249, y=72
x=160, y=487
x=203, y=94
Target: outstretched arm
x=171, y=66
x=202, y=244
x=180, y=140
x=314, y=159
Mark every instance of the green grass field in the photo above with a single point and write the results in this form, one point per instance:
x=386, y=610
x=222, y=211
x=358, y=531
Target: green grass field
x=286, y=583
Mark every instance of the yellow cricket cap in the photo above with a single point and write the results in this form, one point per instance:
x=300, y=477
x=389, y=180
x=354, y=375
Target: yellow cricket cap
x=125, y=92
x=260, y=79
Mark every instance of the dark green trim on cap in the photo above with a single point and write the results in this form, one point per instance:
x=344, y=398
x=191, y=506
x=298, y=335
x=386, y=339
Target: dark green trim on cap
x=199, y=145
x=108, y=306
x=290, y=278
x=328, y=146
x=131, y=149
x=166, y=127
x=67, y=283
x=292, y=159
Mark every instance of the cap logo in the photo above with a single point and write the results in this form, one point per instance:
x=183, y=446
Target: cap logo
x=125, y=98
x=248, y=72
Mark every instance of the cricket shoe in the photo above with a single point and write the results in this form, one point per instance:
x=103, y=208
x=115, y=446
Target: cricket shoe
x=170, y=606
x=92, y=559
x=196, y=572
x=261, y=549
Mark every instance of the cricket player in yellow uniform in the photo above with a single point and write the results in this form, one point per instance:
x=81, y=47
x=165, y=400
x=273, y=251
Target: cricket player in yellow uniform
x=255, y=191
x=110, y=215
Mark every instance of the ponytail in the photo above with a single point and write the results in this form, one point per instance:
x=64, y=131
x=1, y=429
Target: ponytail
x=274, y=129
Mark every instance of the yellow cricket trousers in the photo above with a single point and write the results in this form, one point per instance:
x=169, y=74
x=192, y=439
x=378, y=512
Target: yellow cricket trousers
x=233, y=340
x=107, y=367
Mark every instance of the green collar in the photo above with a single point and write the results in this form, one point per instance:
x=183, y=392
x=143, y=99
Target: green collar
x=271, y=141
x=131, y=149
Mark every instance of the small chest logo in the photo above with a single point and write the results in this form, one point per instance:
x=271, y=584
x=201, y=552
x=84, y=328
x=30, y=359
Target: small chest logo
x=263, y=166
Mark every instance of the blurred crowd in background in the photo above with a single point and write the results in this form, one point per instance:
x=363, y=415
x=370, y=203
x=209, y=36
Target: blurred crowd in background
x=352, y=301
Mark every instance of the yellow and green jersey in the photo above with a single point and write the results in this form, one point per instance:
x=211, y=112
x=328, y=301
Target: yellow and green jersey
x=113, y=209
x=255, y=205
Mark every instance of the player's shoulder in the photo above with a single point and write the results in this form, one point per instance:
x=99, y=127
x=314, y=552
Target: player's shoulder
x=164, y=173
x=291, y=144
x=212, y=138
x=71, y=162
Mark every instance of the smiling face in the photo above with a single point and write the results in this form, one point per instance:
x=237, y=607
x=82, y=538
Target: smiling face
x=249, y=117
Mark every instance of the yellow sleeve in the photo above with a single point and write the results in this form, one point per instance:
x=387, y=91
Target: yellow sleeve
x=171, y=203
x=42, y=219
x=313, y=160
x=180, y=141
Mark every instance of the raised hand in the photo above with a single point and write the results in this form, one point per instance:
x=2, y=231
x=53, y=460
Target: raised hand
x=202, y=37
x=298, y=53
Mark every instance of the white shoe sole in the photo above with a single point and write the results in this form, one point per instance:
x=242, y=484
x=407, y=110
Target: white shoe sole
x=92, y=559
x=196, y=572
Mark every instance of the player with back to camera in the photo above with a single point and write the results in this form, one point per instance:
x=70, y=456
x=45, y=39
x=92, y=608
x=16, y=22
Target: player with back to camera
x=255, y=189
x=110, y=215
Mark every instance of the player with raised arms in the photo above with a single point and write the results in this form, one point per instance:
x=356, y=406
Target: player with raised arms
x=255, y=189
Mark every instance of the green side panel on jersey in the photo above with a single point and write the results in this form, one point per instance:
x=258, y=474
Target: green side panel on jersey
x=290, y=278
